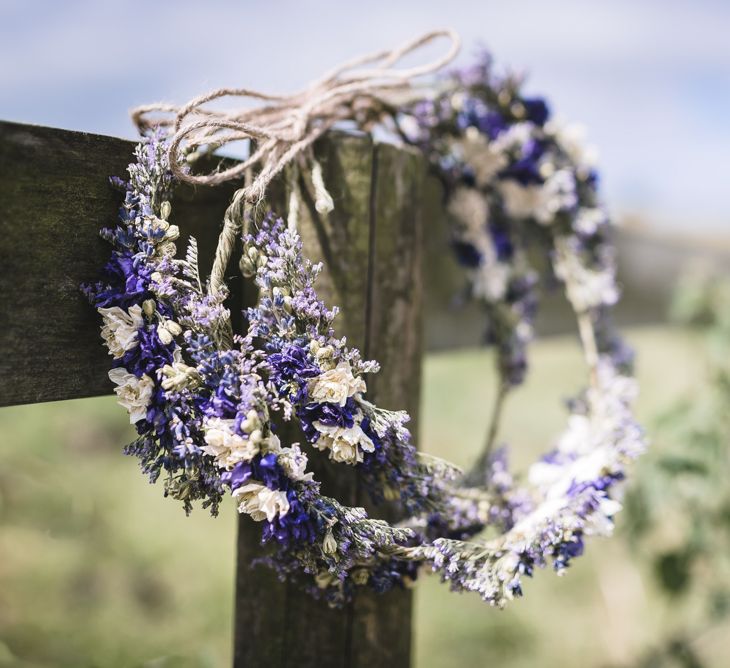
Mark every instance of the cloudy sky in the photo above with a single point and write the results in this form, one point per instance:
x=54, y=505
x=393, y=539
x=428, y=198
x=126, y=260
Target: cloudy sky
x=649, y=78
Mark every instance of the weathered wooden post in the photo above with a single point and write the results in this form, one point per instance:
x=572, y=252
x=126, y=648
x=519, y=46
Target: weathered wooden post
x=54, y=198
x=371, y=247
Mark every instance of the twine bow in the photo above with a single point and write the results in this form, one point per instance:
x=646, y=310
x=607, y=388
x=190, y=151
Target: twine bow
x=284, y=126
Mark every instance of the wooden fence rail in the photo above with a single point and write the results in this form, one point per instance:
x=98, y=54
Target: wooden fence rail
x=54, y=197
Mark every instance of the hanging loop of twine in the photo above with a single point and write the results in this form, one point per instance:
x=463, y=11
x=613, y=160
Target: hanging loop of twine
x=283, y=126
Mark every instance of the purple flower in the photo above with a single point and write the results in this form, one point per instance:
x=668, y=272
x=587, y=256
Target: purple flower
x=296, y=527
x=525, y=170
x=536, y=109
x=332, y=415
x=466, y=253
x=126, y=282
x=290, y=370
x=149, y=354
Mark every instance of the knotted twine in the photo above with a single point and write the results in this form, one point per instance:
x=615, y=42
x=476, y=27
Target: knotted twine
x=283, y=127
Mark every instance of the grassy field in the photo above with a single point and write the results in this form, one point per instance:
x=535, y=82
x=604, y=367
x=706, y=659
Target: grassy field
x=97, y=569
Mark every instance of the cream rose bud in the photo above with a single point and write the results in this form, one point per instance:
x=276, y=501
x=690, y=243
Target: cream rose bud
x=346, y=445
x=251, y=422
x=227, y=447
x=294, y=463
x=133, y=393
x=344, y=451
x=148, y=306
x=260, y=502
x=336, y=385
x=165, y=336
x=329, y=544
x=120, y=328
x=167, y=330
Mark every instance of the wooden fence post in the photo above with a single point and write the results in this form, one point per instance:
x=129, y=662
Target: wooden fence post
x=54, y=197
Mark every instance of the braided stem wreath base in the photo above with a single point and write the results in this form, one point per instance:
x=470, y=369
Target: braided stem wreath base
x=208, y=404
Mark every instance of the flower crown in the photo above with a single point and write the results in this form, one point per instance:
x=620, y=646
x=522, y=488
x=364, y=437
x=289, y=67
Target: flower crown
x=208, y=404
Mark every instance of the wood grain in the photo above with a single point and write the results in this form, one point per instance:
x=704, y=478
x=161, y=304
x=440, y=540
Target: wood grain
x=54, y=198
x=381, y=628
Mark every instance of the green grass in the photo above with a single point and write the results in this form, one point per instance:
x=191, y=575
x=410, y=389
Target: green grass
x=97, y=569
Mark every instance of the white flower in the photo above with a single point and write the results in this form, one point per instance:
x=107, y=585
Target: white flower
x=167, y=330
x=556, y=194
x=346, y=444
x=545, y=474
x=586, y=287
x=485, y=158
x=148, y=306
x=178, y=375
x=225, y=445
x=336, y=385
x=410, y=127
x=489, y=280
x=252, y=421
x=600, y=522
x=325, y=579
x=120, y=328
x=260, y=502
x=469, y=206
x=578, y=437
x=134, y=393
x=588, y=220
x=541, y=202
x=514, y=137
x=294, y=463
x=572, y=139
x=520, y=201
x=329, y=544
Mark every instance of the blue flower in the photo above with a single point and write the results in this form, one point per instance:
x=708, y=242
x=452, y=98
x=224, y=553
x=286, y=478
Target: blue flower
x=536, y=109
x=332, y=415
x=297, y=526
x=126, y=281
x=262, y=468
x=148, y=355
x=501, y=240
x=290, y=369
x=568, y=550
x=476, y=114
x=466, y=254
x=525, y=170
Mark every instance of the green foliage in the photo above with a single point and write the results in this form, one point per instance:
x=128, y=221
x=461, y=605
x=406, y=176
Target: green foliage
x=679, y=512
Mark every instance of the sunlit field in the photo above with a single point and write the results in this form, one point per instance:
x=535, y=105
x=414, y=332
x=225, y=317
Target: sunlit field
x=97, y=569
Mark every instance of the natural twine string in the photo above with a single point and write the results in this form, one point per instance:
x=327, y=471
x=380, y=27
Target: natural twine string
x=284, y=126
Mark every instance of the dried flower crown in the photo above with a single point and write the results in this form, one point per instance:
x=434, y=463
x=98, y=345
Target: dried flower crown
x=207, y=403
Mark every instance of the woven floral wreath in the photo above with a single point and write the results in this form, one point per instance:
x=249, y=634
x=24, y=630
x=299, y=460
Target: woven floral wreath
x=208, y=404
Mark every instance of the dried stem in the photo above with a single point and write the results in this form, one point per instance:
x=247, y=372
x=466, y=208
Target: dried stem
x=477, y=474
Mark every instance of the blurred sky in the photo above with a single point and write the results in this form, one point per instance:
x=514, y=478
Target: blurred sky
x=649, y=78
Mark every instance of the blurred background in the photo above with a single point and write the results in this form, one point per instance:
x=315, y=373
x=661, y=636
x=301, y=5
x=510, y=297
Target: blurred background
x=95, y=566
